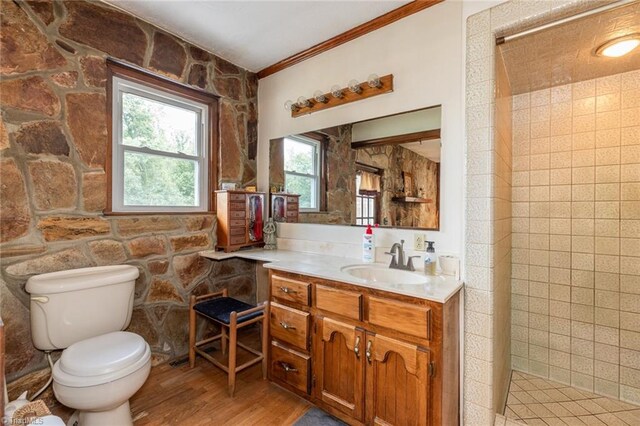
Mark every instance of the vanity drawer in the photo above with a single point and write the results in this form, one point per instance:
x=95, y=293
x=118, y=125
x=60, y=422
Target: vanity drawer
x=236, y=197
x=403, y=317
x=237, y=206
x=292, y=199
x=237, y=223
x=289, y=290
x=290, y=367
x=292, y=206
x=237, y=214
x=291, y=213
x=289, y=325
x=342, y=302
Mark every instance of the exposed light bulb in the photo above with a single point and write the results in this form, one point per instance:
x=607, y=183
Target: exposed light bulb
x=303, y=102
x=336, y=91
x=354, y=86
x=320, y=97
x=290, y=106
x=374, y=81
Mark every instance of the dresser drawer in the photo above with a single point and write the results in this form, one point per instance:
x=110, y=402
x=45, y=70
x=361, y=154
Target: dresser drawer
x=237, y=206
x=291, y=213
x=403, y=317
x=237, y=214
x=237, y=239
x=345, y=303
x=292, y=200
x=237, y=223
x=290, y=367
x=237, y=231
x=289, y=290
x=292, y=206
x=290, y=325
x=237, y=197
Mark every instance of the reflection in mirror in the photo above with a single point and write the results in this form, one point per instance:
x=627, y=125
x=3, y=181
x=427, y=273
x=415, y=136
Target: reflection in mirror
x=384, y=170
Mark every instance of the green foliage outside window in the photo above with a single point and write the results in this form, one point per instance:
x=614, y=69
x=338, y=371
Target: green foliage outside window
x=153, y=180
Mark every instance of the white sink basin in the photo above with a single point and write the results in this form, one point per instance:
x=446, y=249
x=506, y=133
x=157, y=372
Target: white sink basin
x=382, y=274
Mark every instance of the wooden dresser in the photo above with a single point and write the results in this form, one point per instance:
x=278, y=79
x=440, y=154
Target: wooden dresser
x=240, y=219
x=285, y=207
x=364, y=355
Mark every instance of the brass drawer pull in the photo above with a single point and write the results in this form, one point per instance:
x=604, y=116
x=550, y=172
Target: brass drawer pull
x=287, y=290
x=287, y=368
x=368, y=352
x=286, y=326
x=356, y=349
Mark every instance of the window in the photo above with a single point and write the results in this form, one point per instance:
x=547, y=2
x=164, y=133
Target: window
x=162, y=143
x=366, y=208
x=302, y=170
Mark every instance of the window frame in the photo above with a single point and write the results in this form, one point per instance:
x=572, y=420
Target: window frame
x=317, y=167
x=138, y=80
x=362, y=198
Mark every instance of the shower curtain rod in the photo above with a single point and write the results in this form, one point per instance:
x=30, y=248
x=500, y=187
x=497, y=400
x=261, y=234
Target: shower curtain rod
x=620, y=3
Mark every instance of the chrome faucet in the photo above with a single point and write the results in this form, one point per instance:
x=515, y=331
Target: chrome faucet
x=397, y=258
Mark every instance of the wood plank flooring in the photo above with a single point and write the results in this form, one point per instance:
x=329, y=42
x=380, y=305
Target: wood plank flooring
x=179, y=395
x=198, y=396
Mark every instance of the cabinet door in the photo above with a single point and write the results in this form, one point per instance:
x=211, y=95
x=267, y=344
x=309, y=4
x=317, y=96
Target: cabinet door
x=254, y=217
x=397, y=377
x=339, y=366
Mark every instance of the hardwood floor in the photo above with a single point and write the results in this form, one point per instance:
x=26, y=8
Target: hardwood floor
x=198, y=396
x=179, y=395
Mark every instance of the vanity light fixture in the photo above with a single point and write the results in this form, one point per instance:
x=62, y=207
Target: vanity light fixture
x=355, y=91
x=619, y=46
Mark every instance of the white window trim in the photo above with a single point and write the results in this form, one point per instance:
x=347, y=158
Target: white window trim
x=120, y=86
x=317, y=147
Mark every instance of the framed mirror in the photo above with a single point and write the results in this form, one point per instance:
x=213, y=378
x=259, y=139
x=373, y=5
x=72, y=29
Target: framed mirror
x=382, y=171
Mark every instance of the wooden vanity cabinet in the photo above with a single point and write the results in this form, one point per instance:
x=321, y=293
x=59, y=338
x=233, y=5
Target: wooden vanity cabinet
x=373, y=357
x=240, y=219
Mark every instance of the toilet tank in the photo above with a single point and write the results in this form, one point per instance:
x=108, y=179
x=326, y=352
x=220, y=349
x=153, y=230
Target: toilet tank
x=69, y=306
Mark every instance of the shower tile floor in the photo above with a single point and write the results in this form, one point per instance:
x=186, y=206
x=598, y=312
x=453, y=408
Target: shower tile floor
x=536, y=401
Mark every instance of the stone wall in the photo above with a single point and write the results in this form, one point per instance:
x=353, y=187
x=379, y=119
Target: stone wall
x=394, y=160
x=53, y=143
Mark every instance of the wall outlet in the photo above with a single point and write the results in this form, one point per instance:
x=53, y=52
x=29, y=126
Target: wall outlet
x=418, y=242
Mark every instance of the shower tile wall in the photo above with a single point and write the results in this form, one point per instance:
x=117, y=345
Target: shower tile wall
x=576, y=235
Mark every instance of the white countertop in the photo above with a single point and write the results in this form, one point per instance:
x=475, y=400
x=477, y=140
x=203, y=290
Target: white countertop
x=438, y=288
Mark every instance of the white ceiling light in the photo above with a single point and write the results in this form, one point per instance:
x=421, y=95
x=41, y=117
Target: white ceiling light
x=619, y=46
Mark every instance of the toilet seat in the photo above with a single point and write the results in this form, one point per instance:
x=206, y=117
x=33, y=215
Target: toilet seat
x=101, y=359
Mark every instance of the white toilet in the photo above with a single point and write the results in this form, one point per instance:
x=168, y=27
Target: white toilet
x=83, y=312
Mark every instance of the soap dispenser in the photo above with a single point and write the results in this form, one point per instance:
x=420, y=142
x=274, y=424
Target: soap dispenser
x=430, y=259
x=368, y=246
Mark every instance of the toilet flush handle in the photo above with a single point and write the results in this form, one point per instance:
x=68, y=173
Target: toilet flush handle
x=40, y=299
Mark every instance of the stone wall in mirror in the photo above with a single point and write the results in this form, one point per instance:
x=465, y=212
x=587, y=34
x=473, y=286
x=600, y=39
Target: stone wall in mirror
x=380, y=171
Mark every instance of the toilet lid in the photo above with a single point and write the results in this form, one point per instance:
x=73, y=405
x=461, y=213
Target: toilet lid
x=103, y=354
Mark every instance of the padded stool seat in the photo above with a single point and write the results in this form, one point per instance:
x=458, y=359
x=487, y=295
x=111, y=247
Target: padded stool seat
x=220, y=309
x=231, y=314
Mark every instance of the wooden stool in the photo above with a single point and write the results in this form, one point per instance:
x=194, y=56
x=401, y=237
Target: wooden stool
x=230, y=314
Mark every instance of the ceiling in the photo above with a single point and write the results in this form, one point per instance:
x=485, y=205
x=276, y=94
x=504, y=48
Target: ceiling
x=259, y=33
x=564, y=54
x=429, y=149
